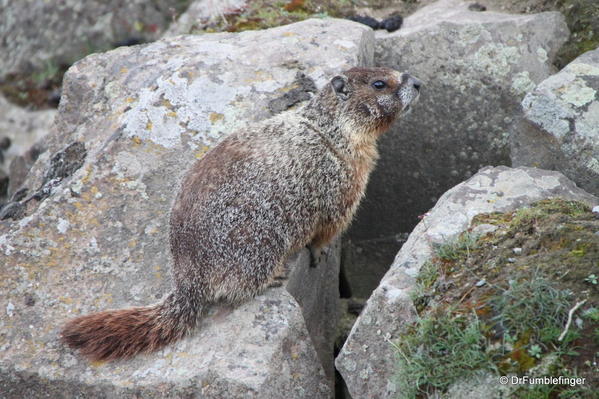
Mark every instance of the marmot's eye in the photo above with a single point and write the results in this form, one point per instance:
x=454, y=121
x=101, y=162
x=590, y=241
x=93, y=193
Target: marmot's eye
x=379, y=84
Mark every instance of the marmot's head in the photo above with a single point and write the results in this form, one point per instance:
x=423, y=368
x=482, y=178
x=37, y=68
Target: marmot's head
x=375, y=96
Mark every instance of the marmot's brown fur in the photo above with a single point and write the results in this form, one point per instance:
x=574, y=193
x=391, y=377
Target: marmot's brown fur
x=257, y=197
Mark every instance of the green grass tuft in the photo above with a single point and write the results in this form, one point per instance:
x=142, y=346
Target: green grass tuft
x=455, y=249
x=533, y=306
x=440, y=350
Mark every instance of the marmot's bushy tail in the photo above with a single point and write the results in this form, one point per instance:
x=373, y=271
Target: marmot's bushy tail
x=116, y=334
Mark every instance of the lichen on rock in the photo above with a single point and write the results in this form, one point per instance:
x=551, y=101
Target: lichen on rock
x=560, y=126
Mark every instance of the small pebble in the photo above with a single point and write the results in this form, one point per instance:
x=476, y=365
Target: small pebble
x=511, y=260
x=483, y=229
x=595, y=209
x=480, y=283
x=517, y=251
x=75, y=189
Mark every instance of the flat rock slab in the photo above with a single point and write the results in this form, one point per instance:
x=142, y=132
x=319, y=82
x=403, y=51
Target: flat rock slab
x=476, y=68
x=367, y=361
x=137, y=117
x=258, y=350
x=560, y=127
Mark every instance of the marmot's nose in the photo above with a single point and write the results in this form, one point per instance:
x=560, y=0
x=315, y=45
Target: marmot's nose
x=409, y=80
x=416, y=83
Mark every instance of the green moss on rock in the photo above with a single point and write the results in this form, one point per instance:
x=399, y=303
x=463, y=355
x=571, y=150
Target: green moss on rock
x=582, y=17
x=515, y=286
x=264, y=14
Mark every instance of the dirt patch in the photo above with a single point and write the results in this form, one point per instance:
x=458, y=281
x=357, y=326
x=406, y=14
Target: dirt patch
x=263, y=14
x=38, y=90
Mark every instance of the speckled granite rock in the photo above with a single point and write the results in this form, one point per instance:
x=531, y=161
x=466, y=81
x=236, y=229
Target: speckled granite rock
x=137, y=117
x=37, y=32
x=367, y=360
x=560, y=128
x=476, y=68
x=259, y=350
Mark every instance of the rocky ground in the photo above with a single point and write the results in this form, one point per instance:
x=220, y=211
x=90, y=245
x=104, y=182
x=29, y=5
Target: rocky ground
x=492, y=261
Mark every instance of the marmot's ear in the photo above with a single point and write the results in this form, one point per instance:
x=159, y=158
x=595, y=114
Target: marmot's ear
x=340, y=87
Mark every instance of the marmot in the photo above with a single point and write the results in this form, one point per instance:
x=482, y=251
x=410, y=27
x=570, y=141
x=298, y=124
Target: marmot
x=257, y=197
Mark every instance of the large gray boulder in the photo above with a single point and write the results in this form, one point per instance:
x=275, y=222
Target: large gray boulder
x=37, y=32
x=94, y=232
x=560, y=127
x=367, y=361
x=476, y=68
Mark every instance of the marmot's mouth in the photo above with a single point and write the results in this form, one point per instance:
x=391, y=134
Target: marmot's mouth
x=412, y=101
